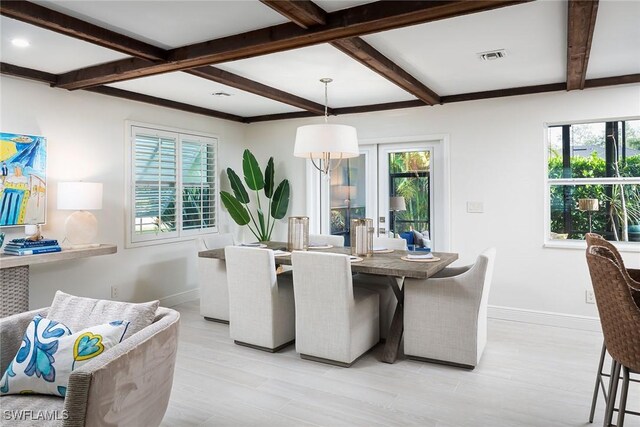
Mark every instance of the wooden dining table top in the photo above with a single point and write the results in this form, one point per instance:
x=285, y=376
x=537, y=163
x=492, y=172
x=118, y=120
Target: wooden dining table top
x=387, y=264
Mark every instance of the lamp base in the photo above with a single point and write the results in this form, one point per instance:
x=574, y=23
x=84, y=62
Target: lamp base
x=81, y=228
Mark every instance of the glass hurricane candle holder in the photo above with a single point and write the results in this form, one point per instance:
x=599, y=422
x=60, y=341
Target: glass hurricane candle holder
x=298, y=239
x=362, y=237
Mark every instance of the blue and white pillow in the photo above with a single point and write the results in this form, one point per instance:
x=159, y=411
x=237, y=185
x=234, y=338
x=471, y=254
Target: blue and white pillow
x=50, y=352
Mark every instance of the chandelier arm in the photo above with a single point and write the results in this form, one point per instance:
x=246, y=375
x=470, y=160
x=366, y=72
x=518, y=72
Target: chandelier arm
x=314, y=163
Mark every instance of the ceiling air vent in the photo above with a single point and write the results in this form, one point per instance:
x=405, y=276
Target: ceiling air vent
x=492, y=55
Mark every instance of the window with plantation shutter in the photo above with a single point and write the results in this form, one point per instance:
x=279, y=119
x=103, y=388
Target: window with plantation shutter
x=172, y=185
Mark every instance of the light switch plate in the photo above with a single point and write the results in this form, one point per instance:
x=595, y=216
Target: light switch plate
x=475, y=207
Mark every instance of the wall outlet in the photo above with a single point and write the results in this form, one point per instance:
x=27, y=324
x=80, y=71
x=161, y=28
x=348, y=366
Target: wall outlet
x=475, y=207
x=589, y=297
x=114, y=292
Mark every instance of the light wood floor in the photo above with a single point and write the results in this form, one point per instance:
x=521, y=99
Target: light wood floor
x=529, y=376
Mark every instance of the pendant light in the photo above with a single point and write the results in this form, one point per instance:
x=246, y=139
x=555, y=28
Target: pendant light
x=326, y=142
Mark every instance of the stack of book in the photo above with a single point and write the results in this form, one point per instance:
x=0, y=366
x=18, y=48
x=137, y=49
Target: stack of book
x=31, y=247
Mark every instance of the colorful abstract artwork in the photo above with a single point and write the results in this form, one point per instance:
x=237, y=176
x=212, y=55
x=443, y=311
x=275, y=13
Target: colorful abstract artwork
x=23, y=186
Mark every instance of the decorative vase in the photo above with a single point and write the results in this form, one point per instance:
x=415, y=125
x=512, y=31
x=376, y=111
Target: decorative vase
x=362, y=237
x=298, y=239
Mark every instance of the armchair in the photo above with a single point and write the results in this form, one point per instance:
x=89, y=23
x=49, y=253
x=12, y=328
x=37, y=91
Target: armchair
x=129, y=384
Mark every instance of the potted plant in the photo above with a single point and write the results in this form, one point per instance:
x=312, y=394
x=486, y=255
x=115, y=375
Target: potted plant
x=237, y=204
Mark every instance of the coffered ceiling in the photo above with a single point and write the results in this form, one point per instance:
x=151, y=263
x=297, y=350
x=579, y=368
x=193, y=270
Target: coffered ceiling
x=264, y=58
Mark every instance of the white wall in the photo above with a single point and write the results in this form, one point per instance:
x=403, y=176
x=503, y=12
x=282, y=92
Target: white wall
x=85, y=137
x=497, y=157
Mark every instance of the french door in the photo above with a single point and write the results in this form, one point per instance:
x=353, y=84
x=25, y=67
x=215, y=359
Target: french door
x=416, y=170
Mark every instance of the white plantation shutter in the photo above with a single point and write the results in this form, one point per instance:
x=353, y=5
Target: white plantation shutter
x=173, y=185
x=198, y=184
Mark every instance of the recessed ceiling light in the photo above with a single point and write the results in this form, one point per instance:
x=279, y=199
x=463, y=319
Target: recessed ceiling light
x=221, y=94
x=20, y=42
x=492, y=55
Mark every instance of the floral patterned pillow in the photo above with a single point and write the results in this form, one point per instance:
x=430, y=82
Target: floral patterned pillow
x=50, y=352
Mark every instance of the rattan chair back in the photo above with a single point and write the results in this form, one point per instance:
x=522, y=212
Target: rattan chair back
x=619, y=315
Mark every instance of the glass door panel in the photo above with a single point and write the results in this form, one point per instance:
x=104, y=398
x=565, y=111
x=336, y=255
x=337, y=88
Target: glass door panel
x=347, y=195
x=410, y=178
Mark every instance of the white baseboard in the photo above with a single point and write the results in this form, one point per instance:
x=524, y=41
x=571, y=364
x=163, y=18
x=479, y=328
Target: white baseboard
x=179, y=298
x=571, y=321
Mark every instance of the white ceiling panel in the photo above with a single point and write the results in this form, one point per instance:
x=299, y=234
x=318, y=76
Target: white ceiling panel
x=299, y=71
x=615, y=48
x=170, y=24
x=194, y=90
x=442, y=54
x=333, y=5
x=49, y=51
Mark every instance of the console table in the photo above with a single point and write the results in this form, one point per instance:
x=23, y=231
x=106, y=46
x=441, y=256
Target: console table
x=14, y=274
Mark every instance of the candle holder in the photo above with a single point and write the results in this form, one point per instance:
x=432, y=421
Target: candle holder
x=298, y=239
x=362, y=237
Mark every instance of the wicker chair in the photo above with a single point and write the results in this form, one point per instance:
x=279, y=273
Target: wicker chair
x=620, y=320
x=594, y=239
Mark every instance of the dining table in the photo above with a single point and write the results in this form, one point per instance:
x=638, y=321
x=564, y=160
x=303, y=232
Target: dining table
x=389, y=264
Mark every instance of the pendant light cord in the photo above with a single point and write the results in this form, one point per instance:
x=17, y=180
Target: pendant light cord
x=326, y=103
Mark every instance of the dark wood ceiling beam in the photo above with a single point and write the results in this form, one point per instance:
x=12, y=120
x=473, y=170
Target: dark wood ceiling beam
x=49, y=19
x=41, y=76
x=474, y=96
x=305, y=13
x=364, y=19
x=134, y=96
x=581, y=22
x=27, y=73
x=238, y=82
x=368, y=56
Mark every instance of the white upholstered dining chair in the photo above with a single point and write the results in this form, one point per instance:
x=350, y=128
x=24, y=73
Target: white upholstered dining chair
x=261, y=303
x=445, y=317
x=379, y=284
x=335, y=322
x=326, y=239
x=212, y=279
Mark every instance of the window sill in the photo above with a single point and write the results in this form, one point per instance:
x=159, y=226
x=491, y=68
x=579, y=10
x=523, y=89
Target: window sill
x=582, y=245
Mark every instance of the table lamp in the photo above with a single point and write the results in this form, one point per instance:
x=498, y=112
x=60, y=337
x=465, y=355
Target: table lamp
x=396, y=204
x=81, y=227
x=589, y=206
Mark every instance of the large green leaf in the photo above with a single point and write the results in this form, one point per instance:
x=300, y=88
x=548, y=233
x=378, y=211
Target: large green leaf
x=236, y=209
x=263, y=228
x=252, y=173
x=237, y=186
x=269, y=178
x=280, y=202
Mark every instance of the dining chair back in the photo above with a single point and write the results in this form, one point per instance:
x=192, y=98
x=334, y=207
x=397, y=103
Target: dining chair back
x=445, y=318
x=389, y=243
x=326, y=239
x=335, y=323
x=620, y=321
x=261, y=303
x=212, y=279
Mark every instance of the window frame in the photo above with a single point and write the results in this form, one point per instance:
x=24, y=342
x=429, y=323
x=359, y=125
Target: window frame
x=131, y=130
x=550, y=182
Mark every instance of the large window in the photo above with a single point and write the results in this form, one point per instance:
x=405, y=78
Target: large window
x=594, y=180
x=172, y=189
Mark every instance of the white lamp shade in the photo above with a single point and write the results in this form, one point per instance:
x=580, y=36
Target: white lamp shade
x=397, y=204
x=340, y=141
x=80, y=196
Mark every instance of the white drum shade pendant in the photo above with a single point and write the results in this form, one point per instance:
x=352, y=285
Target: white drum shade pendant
x=326, y=142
